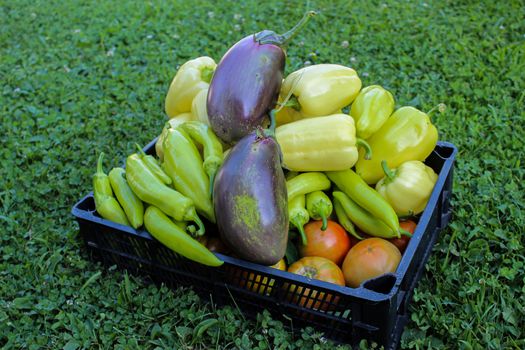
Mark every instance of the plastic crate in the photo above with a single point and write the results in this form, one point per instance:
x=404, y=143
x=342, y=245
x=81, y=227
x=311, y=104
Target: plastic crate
x=377, y=310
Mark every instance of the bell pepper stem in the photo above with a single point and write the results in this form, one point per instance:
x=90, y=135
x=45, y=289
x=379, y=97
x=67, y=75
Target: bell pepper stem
x=207, y=74
x=100, y=170
x=292, y=102
x=388, y=172
x=368, y=150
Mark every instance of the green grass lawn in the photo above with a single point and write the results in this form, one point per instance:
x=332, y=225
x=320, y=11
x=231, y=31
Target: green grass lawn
x=79, y=77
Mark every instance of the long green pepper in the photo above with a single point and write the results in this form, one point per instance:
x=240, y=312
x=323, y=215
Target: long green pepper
x=183, y=164
x=129, y=201
x=319, y=207
x=307, y=182
x=363, y=219
x=365, y=196
x=107, y=206
x=153, y=166
x=344, y=220
x=298, y=215
x=151, y=190
x=212, y=147
x=173, y=237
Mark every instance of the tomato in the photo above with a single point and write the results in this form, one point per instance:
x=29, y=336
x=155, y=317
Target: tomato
x=319, y=268
x=370, y=258
x=402, y=242
x=215, y=244
x=254, y=283
x=332, y=243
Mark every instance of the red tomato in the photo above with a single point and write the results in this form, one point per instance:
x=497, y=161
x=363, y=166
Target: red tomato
x=316, y=268
x=332, y=243
x=402, y=242
x=370, y=258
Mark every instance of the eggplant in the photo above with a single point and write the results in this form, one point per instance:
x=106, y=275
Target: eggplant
x=250, y=199
x=246, y=83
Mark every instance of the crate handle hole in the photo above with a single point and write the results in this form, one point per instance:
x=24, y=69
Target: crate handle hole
x=382, y=284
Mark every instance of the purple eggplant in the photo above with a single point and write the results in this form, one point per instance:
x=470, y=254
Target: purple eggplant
x=246, y=83
x=250, y=199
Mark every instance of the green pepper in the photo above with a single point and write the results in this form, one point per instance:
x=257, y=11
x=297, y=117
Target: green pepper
x=408, y=134
x=212, y=147
x=344, y=220
x=371, y=109
x=151, y=190
x=173, y=237
x=153, y=166
x=365, y=196
x=363, y=219
x=319, y=207
x=307, y=182
x=107, y=206
x=183, y=163
x=408, y=187
x=129, y=201
x=298, y=215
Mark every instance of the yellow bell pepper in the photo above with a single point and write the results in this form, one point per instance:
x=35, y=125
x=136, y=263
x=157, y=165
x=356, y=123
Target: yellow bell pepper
x=318, y=90
x=371, y=109
x=191, y=78
x=326, y=143
x=407, y=188
x=408, y=134
x=198, y=107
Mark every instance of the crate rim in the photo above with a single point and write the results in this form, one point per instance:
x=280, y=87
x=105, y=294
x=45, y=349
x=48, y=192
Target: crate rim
x=360, y=293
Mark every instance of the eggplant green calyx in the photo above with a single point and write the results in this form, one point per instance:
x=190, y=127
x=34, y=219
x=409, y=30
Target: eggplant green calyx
x=270, y=37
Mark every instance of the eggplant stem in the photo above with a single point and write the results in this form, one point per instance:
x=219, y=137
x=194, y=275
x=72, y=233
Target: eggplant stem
x=289, y=35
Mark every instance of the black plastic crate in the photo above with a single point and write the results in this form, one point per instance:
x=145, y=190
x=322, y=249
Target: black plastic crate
x=377, y=310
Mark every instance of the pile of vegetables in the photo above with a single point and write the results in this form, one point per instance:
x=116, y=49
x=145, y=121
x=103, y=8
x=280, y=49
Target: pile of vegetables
x=312, y=170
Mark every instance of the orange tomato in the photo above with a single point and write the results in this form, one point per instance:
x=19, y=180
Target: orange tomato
x=332, y=243
x=370, y=258
x=316, y=268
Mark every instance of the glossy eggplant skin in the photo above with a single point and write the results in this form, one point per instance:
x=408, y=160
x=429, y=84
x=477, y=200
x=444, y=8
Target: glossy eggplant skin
x=244, y=88
x=250, y=200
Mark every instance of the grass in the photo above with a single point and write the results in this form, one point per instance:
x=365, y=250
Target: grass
x=83, y=77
